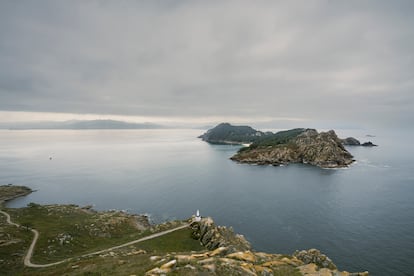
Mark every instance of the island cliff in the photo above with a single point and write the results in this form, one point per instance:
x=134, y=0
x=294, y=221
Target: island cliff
x=306, y=146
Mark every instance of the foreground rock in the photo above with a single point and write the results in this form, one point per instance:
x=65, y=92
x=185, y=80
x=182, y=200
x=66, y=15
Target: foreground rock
x=236, y=258
x=306, y=146
x=213, y=237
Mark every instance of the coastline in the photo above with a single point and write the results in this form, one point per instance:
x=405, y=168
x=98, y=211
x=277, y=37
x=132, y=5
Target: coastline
x=221, y=251
x=9, y=192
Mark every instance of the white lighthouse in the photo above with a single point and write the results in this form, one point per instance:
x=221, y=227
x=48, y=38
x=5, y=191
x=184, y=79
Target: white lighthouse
x=197, y=217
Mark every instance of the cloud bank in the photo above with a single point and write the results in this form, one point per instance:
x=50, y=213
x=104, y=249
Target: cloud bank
x=349, y=61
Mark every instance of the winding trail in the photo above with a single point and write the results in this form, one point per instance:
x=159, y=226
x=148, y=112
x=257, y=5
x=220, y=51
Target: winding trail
x=28, y=257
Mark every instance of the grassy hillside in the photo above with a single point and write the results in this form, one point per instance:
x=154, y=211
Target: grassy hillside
x=281, y=137
x=68, y=231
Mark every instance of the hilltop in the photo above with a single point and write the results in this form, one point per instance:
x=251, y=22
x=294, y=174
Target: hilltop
x=226, y=133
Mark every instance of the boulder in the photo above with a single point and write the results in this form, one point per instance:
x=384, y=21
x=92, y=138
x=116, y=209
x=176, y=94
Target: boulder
x=314, y=256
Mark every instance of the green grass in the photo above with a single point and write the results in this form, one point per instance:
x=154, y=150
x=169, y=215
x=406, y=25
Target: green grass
x=95, y=266
x=178, y=241
x=279, y=138
x=67, y=231
x=11, y=255
x=51, y=221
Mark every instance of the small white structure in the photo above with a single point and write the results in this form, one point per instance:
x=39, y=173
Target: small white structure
x=197, y=217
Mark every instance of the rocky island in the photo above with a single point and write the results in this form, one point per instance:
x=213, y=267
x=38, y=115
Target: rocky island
x=72, y=240
x=305, y=146
x=297, y=145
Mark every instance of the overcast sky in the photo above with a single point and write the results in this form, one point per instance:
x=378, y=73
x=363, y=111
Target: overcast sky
x=340, y=62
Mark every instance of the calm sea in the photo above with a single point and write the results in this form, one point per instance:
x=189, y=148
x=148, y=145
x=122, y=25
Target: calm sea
x=362, y=217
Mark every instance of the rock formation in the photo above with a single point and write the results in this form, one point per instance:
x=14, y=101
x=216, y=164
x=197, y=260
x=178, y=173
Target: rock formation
x=213, y=237
x=316, y=257
x=230, y=254
x=323, y=149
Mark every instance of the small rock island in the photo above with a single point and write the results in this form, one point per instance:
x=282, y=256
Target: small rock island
x=351, y=141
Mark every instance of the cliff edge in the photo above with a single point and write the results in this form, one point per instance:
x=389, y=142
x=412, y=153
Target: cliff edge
x=231, y=254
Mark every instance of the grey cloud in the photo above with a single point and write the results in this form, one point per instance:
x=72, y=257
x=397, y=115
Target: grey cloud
x=348, y=60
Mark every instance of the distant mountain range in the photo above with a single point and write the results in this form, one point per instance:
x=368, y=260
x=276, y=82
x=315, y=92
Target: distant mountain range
x=81, y=124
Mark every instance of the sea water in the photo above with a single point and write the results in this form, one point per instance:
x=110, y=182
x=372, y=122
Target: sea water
x=362, y=217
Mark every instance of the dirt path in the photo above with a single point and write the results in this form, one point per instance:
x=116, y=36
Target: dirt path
x=28, y=257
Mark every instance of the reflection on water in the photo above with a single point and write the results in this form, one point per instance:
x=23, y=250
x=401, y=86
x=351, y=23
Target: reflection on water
x=359, y=216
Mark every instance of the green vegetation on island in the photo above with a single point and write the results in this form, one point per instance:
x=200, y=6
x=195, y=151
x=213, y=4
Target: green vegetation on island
x=278, y=138
x=226, y=133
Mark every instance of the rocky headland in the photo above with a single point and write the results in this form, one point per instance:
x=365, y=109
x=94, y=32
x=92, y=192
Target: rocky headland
x=9, y=192
x=199, y=248
x=231, y=254
x=306, y=146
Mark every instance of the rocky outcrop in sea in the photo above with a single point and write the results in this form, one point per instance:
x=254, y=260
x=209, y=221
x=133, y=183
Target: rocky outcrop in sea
x=323, y=149
x=351, y=141
x=368, y=144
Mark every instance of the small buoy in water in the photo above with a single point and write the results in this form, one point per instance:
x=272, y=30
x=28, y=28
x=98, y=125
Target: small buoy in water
x=50, y=157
